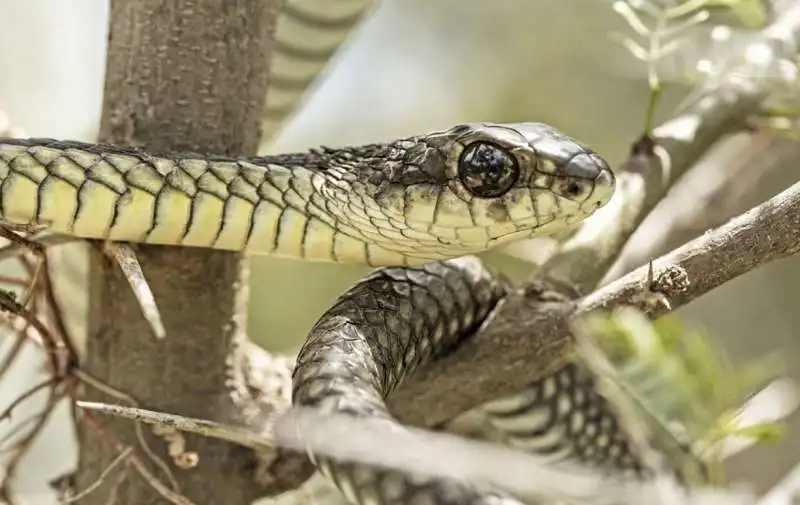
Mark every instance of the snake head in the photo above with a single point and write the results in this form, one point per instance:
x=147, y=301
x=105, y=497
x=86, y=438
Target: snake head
x=476, y=186
x=505, y=182
x=525, y=174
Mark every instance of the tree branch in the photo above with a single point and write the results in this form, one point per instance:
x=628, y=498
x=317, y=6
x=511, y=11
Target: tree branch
x=528, y=336
x=189, y=75
x=713, y=192
x=766, y=233
x=443, y=455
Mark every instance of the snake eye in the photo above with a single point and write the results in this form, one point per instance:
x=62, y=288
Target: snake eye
x=486, y=170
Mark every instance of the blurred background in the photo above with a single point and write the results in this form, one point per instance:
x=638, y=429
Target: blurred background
x=413, y=66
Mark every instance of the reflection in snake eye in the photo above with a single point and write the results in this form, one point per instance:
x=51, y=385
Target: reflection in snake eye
x=487, y=170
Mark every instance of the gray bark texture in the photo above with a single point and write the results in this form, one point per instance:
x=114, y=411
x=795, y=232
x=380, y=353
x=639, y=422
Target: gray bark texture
x=188, y=75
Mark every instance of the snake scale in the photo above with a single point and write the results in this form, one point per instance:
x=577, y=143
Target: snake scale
x=413, y=207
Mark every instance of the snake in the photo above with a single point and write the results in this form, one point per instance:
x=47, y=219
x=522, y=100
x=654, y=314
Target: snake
x=410, y=201
x=416, y=208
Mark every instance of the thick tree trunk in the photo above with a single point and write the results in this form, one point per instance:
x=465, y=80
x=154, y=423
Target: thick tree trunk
x=185, y=75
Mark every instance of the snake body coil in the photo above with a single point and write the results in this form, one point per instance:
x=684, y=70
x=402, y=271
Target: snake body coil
x=395, y=319
x=402, y=203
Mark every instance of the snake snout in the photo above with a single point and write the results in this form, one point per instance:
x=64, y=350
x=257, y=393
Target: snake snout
x=592, y=168
x=604, y=183
x=588, y=166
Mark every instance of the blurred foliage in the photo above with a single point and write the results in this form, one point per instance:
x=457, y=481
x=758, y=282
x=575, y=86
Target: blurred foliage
x=671, y=21
x=677, y=382
x=782, y=117
x=750, y=14
x=662, y=28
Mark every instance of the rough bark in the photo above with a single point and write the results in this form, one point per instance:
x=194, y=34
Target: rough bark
x=188, y=75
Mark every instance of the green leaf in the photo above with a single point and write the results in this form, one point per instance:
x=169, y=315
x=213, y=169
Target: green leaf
x=677, y=381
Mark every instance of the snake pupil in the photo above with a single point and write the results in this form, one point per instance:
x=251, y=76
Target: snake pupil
x=487, y=170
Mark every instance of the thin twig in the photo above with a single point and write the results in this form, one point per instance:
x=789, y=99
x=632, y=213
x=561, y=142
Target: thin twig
x=14, y=249
x=152, y=480
x=123, y=456
x=126, y=258
x=6, y=413
x=11, y=433
x=221, y=431
x=710, y=195
x=12, y=354
x=56, y=315
x=51, y=345
x=113, y=492
x=113, y=392
x=14, y=281
x=22, y=446
x=33, y=247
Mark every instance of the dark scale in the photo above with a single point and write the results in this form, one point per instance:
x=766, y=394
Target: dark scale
x=563, y=417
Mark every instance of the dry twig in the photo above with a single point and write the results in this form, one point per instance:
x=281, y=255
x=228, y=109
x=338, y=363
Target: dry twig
x=707, y=197
x=125, y=257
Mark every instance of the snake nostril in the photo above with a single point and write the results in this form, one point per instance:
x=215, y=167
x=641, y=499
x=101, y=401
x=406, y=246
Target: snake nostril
x=574, y=189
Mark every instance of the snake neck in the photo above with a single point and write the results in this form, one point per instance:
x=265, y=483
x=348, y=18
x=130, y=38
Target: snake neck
x=316, y=206
x=355, y=197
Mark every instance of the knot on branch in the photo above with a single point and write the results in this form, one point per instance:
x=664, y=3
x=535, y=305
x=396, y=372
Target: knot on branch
x=670, y=281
